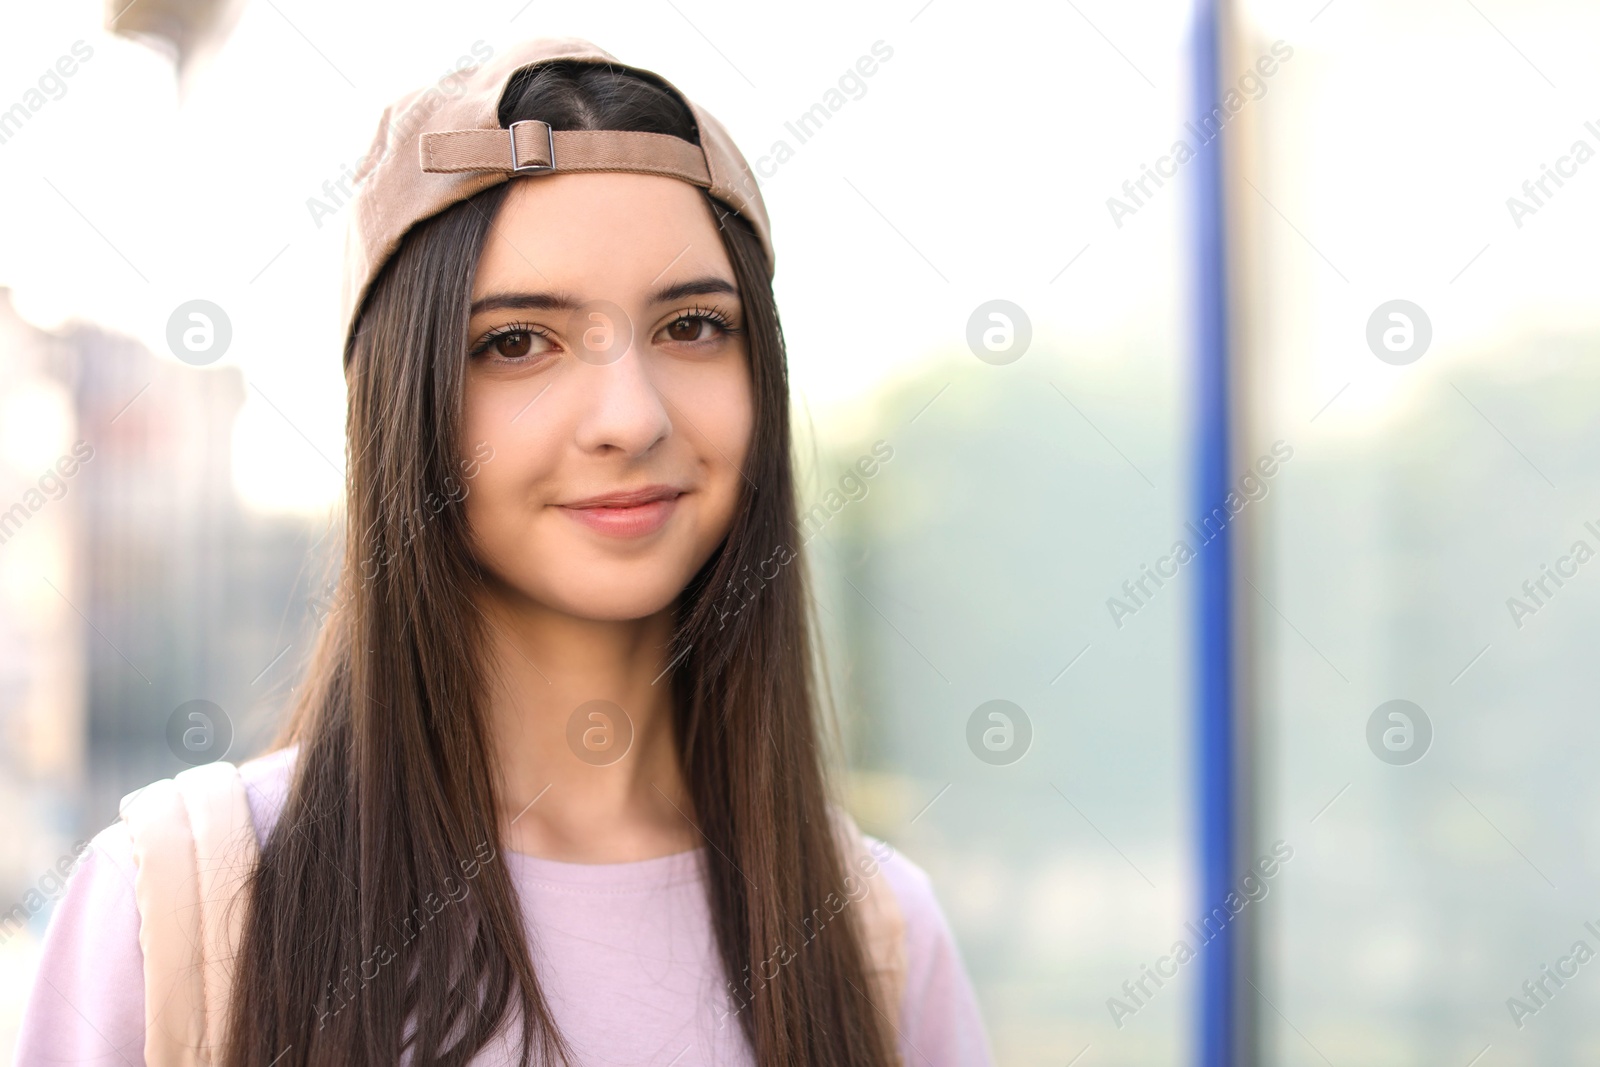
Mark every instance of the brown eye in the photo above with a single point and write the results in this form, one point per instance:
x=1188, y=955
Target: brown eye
x=514, y=345
x=685, y=329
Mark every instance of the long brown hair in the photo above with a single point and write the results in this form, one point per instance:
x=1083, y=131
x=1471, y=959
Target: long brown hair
x=379, y=900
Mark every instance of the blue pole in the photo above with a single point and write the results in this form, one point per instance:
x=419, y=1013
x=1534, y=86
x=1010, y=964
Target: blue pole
x=1213, y=644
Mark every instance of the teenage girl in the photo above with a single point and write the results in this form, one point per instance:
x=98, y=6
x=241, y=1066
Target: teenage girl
x=554, y=788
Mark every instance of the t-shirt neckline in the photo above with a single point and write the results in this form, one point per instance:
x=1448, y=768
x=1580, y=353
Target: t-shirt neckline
x=657, y=872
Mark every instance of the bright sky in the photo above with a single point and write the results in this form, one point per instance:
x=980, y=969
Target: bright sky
x=1403, y=133
x=976, y=166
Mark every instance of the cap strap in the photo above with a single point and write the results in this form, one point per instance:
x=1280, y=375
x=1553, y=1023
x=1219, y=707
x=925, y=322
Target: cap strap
x=532, y=146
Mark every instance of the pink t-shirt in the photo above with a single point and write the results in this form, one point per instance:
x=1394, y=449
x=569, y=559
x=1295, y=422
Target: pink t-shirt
x=625, y=954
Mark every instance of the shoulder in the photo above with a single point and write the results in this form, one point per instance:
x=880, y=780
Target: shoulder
x=912, y=886
x=87, y=999
x=107, y=862
x=939, y=1009
x=165, y=811
x=266, y=785
x=909, y=883
x=927, y=932
x=103, y=882
x=107, y=866
x=89, y=989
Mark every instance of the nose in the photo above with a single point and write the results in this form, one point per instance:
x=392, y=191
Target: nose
x=625, y=412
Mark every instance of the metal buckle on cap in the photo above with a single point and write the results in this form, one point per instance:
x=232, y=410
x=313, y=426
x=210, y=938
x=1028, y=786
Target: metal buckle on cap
x=551, y=140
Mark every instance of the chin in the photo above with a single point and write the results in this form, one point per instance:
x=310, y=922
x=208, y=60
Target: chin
x=618, y=597
x=612, y=605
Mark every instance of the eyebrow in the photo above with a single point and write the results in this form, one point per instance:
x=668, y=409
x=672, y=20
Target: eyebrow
x=564, y=301
x=707, y=286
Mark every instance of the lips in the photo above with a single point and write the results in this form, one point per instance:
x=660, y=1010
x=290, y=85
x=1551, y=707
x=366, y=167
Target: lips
x=633, y=513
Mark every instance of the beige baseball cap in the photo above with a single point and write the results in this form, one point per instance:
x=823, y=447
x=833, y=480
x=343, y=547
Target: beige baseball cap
x=435, y=147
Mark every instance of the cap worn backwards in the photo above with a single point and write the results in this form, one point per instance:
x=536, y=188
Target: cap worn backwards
x=433, y=150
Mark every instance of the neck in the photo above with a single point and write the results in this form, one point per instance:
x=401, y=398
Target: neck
x=608, y=787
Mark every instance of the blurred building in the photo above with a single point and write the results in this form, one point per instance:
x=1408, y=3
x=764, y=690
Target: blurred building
x=42, y=653
x=144, y=586
x=187, y=593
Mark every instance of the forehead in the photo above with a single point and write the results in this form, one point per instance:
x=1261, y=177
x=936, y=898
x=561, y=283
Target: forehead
x=599, y=235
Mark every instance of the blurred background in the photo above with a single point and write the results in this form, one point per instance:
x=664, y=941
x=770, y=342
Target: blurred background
x=166, y=527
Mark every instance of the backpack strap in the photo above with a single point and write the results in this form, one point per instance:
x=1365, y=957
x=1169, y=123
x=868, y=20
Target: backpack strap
x=194, y=848
x=879, y=919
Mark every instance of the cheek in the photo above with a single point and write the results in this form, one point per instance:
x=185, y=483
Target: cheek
x=713, y=419
x=487, y=411
x=716, y=413
x=732, y=428
x=495, y=424
x=719, y=409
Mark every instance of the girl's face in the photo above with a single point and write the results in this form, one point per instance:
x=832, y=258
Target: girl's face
x=608, y=406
